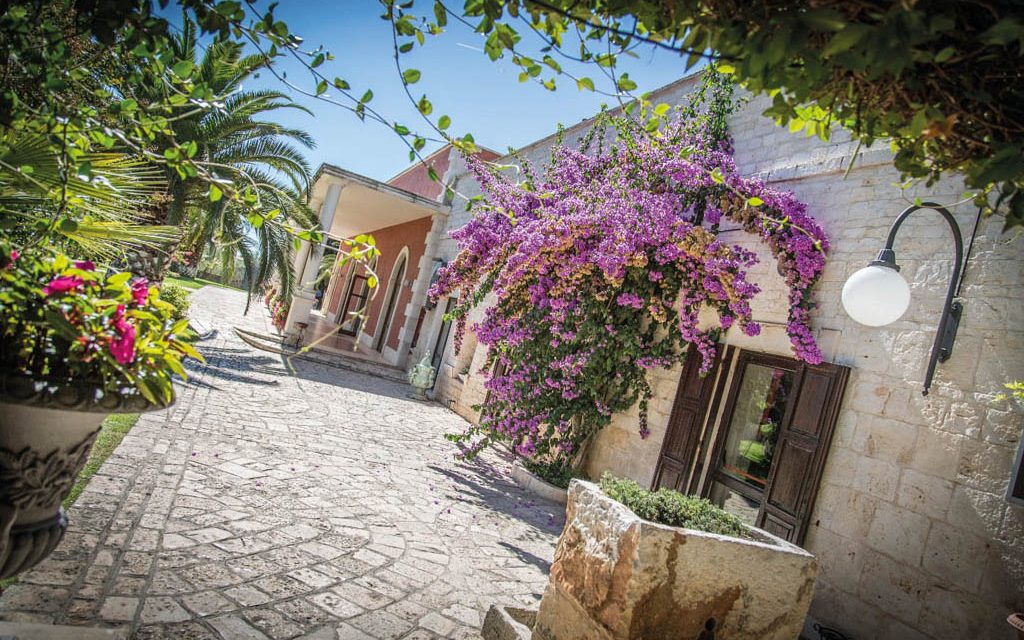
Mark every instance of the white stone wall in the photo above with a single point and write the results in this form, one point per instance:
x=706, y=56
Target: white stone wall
x=911, y=527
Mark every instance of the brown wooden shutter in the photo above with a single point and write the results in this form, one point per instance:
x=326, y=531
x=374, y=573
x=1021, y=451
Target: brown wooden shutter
x=684, y=425
x=801, y=450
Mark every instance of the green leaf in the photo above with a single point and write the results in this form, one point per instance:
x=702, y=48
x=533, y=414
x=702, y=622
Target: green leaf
x=183, y=68
x=61, y=325
x=215, y=193
x=411, y=76
x=406, y=48
x=371, y=282
x=585, y=83
x=716, y=176
x=945, y=55
x=321, y=87
x=366, y=97
x=755, y=201
x=444, y=122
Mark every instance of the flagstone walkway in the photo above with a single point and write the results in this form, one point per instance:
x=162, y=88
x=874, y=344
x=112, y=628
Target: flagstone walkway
x=320, y=504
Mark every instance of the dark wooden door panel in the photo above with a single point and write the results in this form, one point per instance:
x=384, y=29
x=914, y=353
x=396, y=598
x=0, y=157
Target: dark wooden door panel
x=682, y=436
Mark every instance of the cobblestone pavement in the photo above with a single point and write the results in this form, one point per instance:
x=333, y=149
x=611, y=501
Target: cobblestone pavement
x=324, y=504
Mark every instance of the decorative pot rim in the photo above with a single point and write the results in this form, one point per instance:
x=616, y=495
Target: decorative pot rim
x=84, y=396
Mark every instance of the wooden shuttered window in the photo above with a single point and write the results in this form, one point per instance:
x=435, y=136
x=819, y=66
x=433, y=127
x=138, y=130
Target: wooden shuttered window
x=801, y=450
x=777, y=490
x=683, y=435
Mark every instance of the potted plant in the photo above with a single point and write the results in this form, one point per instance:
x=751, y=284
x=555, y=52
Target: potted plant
x=75, y=346
x=633, y=563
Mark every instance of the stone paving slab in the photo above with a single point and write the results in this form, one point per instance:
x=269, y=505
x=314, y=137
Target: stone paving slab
x=285, y=500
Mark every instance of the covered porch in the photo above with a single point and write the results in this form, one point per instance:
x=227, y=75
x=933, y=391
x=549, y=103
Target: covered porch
x=381, y=320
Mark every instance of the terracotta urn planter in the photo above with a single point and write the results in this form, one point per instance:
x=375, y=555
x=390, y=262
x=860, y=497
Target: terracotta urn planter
x=616, y=576
x=46, y=434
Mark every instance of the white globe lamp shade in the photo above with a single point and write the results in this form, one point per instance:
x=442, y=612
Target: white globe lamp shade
x=876, y=295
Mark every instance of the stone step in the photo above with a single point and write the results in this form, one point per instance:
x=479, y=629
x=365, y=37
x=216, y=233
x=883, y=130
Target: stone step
x=275, y=344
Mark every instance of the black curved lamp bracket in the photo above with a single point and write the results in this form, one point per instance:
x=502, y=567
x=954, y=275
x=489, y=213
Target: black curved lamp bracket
x=945, y=336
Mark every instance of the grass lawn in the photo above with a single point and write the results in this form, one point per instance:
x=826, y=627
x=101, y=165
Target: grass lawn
x=112, y=432
x=194, y=283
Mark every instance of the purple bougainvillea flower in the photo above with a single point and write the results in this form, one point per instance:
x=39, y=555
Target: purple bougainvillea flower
x=85, y=265
x=140, y=291
x=62, y=284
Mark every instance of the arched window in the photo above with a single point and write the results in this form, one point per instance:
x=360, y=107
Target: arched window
x=391, y=300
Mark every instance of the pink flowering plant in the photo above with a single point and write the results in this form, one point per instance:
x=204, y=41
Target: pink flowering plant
x=63, y=322
x=600, y=268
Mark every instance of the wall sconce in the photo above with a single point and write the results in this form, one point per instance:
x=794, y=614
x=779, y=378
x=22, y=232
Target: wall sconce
x=878, y=295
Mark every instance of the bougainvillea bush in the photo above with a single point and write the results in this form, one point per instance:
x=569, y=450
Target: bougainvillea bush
x=599, y=268
x=65, y=322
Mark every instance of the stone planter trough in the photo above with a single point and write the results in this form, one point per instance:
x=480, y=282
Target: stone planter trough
x=618, y=577
x=537, y=486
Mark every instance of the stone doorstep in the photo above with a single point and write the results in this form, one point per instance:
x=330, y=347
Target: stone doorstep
x=26, y=631
x=537, y=486
x=508, y=623
x=322, y=356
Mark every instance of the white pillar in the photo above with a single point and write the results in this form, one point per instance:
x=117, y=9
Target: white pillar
x=307, y=262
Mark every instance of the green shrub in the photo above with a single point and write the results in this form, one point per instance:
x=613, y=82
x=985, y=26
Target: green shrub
x=672, y=508
x=557, y=473
x=178, y=297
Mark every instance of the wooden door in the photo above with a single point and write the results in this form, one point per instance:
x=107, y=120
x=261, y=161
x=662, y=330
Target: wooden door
x=358, y=292
x=682, y=437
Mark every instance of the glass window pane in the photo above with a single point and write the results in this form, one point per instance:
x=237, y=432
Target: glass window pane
x=740, y=506
x=755, y=422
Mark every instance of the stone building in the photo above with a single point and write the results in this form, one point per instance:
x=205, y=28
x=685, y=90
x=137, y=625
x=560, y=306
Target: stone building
x=406, y=216
x=901, y=496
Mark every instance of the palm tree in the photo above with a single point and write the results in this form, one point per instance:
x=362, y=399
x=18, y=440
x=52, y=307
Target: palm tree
x=99, y=213
x=237, y=147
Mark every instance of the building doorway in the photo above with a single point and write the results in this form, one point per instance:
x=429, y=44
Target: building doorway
x=394, y=293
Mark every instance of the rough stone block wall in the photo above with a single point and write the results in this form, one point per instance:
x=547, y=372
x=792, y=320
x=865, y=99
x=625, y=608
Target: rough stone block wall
x=911, y=527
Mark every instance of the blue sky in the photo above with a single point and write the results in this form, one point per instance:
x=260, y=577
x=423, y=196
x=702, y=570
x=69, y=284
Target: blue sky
x=481, y=97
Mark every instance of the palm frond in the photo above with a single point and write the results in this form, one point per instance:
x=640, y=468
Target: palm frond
x=108, y=239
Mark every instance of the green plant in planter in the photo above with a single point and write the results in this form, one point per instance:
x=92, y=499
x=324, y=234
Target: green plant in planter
x=178, y=297
x=673, y=508
x=558, y=472
x=64, y=323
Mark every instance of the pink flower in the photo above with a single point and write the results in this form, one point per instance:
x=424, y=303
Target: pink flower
x=140, y=291
x=62, y=284
x=85, y=265
x=123, y=346
x=14, y=255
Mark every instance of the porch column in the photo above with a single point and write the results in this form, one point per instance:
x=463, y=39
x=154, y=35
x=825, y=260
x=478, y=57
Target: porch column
x=307, y=261
x=438, y=226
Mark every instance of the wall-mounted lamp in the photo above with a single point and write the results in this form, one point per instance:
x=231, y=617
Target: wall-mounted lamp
x=878, y=295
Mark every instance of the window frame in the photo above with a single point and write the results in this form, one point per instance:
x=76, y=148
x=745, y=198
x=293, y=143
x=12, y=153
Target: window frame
x=1015, y=489
x=715, y=472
